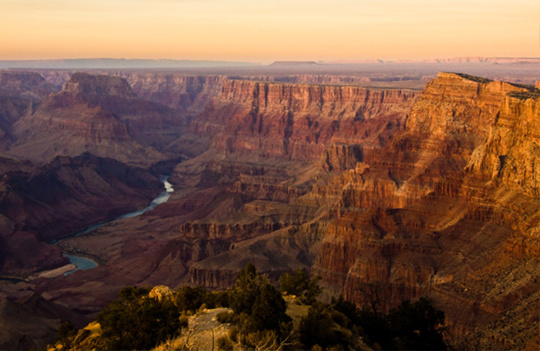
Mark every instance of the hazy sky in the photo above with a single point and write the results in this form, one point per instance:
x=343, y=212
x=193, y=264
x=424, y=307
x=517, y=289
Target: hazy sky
x=267, y=30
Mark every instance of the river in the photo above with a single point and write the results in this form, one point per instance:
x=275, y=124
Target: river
x=84, y=263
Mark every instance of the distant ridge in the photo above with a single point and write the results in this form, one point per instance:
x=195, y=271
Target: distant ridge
x=468, y=59
x=294, y=63
x=110, y=63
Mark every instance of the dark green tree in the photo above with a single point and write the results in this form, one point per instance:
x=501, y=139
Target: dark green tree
x=318, y=328
x=268, y=311
x=135, y=321
x=299, y=283
x=245, y=291
x=417, y=326
x=66, y=333
x=190, y=299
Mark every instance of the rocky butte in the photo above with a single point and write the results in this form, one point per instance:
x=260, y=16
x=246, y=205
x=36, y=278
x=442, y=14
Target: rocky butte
x=386, y=194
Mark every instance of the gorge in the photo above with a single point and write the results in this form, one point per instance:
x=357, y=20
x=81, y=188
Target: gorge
x=387, y=194
x=83, y=263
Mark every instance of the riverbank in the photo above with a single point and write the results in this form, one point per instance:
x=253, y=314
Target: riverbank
x=53, y=273
x=84, y=263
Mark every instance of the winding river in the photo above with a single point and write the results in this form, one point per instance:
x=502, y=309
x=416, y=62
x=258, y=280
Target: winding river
x=83, y=263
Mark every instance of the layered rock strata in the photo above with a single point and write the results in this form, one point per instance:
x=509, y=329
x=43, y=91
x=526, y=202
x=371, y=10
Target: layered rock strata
x=188, y=93
x=101, y=115
x=19, y=91
x=298, y=121
x=449, y=204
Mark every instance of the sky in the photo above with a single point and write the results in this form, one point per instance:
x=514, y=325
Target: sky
x=268, y=30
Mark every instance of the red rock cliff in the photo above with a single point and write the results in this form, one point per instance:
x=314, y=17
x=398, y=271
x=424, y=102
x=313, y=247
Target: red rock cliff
x=448, y=206
x=298, y=121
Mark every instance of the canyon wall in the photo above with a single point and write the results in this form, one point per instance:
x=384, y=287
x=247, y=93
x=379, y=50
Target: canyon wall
x=422, y=216
x=270, y=143
x=411, y=195
x=38, y=205
x=298, y=121
x=189, y=93
x=19, y=91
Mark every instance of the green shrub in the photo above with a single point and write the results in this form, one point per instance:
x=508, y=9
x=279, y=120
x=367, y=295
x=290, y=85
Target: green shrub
x=191, y=299
x=300, y=284
x=135, y=321
x=417, y=326
x=318, y=328
x=66, y=333
x=268, y=311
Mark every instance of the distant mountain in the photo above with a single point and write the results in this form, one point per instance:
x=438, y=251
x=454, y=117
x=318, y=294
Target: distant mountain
x=110, y=63
x=467, y=59
x=293, y=63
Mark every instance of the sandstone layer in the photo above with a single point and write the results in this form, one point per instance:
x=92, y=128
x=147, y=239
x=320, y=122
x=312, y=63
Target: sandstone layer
x=399, y=215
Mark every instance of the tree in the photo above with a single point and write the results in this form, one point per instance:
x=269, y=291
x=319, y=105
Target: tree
x=190, y=299
x=300, y=284
x=245, y=290
x=318, y=328
x=268, y=311
x=417, y=325
x=260, y=311
x=135, y=321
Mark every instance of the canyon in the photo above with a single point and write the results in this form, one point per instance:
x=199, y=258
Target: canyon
x=387, y=194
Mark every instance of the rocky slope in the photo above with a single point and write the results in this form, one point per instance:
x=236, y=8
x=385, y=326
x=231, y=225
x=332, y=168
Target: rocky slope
x=18, y=92
x=99, y=114
x=59, y=198
x=445, y=209
x=32, y=316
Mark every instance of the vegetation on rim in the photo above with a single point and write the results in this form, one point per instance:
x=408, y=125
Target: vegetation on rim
x=142, y=319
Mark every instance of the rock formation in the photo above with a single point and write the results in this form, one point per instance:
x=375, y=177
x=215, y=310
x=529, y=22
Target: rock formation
x=298, y=121
x=445, y=208
x=25, y=84
x=32, y=316
x=399, y=216
x=18, y=92
x=60, y=198
x=101, y=115
x=187, y=93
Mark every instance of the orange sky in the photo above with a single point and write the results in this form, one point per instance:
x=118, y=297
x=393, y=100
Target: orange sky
x=267, y=30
